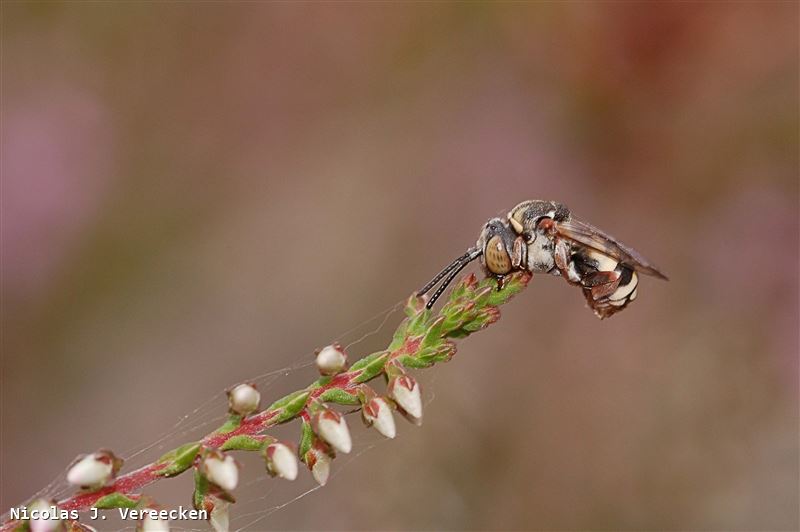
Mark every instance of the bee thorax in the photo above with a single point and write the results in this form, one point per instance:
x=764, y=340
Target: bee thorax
x=541, y=257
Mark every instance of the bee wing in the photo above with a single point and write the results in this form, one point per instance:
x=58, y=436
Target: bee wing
x=590, y=236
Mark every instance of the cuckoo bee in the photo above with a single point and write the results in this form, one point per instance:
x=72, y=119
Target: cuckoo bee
x=543, y=237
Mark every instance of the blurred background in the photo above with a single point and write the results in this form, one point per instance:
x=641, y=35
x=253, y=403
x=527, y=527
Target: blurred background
x=197, y=194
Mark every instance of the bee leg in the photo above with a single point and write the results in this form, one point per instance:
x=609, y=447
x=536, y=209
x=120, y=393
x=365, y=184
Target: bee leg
x=519, y=253
x=601, y=284
x=562, y=261
x=561, y=255
x=501, y=281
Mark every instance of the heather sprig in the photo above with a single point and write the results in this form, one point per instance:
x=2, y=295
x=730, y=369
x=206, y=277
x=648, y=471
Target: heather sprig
x=422, y=339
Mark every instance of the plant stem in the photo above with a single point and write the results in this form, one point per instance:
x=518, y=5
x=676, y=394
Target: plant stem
x=420, y=341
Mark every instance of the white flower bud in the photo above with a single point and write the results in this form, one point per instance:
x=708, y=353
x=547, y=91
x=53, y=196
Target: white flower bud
x=332, y=428
x=331, y=360
x=405, y=392
x=47, y=516
x=149, y=524
x=377, y=413
x=222, y=471
x=219, y=517
x=93, y=470
x=244, y=399
x=320, y=464
x=281, y=461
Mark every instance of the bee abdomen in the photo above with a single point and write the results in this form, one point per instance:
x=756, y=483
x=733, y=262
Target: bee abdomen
x=607, y=284
x=626, y=291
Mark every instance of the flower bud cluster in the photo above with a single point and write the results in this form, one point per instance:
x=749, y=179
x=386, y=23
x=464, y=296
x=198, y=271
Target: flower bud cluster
x=421, y=341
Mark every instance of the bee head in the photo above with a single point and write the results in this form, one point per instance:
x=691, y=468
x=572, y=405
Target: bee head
x=496, y=242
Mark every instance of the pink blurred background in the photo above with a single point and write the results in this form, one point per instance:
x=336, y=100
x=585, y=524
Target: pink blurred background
x=196, y=194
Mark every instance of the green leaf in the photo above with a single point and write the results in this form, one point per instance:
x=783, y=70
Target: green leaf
x=439, y=353
x=179, y=459
x=306, y=439
x=338, y=396
x=115, y=500
x=231, y=424
x=399, y=336
x=322, y=381
x=458, y=333
x=460, y=289
x=200, y=489
x=373, y=368
x=366, y=360
x=283, y=401
x=413, y=363
x=292, y=407
x=414, y=305
x=483, y=319
x=454, y=320
x=242, y=442
x=418, y=323
x=434, y=332
x=482, y=295
x=514, y=285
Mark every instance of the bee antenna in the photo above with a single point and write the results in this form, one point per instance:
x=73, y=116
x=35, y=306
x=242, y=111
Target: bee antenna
x=448, y=273
x=447, y=269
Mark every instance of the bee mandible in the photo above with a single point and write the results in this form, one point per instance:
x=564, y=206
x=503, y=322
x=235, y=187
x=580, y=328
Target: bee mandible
x=543, y=237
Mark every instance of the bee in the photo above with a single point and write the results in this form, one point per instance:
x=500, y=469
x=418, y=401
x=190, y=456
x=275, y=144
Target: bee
x=543, y=237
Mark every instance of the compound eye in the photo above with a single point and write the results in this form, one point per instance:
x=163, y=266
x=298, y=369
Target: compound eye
x=496, y=256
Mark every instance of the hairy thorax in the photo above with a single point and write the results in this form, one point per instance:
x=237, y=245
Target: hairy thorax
x=540, y=255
